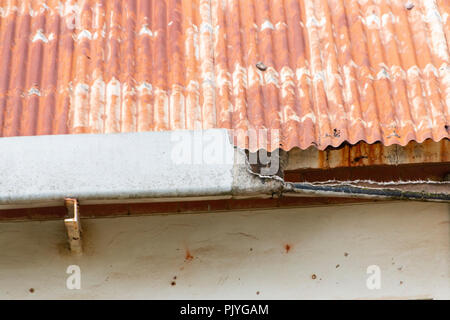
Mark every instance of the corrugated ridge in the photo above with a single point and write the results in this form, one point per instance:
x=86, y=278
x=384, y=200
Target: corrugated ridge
x=99, y=66
x=341, y=70
x=337, y=70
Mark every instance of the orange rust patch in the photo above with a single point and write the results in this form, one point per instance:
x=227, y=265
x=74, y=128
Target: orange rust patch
x=188, y=256
x=287, y=247
x=320, y=72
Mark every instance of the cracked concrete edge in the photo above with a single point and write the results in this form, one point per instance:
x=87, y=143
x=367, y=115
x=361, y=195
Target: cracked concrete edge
x=248, y=183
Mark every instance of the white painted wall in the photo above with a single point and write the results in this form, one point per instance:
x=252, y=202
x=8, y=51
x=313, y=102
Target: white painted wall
x=236, y=255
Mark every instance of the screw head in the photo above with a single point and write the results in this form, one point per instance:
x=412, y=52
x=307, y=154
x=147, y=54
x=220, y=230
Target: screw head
x=261, y=66
x=409, y=5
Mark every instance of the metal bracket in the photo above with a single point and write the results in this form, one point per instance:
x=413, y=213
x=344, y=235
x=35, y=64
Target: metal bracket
x=73, y=226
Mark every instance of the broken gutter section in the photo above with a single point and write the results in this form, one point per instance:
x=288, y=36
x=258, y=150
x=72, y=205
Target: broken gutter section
x=437, y=191
x=350, y=190
x=412, y=191
x=432, y=191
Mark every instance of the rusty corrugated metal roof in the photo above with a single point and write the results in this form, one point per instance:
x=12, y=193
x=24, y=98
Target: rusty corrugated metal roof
x=322, y=72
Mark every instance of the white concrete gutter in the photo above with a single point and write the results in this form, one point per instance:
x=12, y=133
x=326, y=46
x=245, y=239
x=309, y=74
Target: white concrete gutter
x=135, y=167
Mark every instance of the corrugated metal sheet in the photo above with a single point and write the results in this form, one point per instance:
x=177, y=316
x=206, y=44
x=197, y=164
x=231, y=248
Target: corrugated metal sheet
x=332, y=71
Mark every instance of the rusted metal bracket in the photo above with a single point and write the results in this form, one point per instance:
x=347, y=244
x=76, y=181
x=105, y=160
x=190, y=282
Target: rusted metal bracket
x=73, y=226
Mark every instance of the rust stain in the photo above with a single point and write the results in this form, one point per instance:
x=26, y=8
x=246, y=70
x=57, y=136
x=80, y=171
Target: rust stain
x=287, y=247
x=188, y=256
x=322, y=72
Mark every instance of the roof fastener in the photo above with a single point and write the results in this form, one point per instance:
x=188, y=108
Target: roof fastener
x=409, y=5
x=261, y=66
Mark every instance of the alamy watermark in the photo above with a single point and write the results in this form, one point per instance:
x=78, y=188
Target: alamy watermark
x=73, y=282
x=212, y=147
x=373, y=282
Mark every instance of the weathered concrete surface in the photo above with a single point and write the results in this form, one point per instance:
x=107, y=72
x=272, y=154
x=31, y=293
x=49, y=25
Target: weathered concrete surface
x=37, y=171
x=275, y=253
